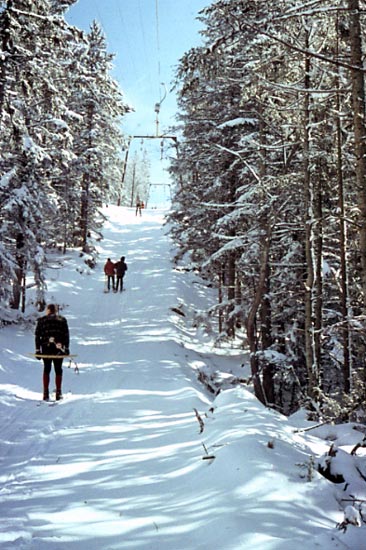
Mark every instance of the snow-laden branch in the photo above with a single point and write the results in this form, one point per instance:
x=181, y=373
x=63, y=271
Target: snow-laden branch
x=35, y=15
x=237, y=154
x=308, y=52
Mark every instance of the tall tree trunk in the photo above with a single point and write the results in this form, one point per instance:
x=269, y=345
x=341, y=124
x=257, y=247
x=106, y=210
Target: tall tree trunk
x=311, y=366
x=84, y=207
x=358, y=102
x=230, y=267
x=6, y=49
x=342, y=241
x=85, y=187
x=19, y=280
x=230, y=282
x=251, y=321
x=220, y=297
x=266, y=337
x=265, y=313
x=318, y=283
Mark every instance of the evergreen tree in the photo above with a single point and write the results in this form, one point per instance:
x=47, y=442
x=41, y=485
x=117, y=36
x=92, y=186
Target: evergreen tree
x=264, y=205
x=60, y=139
x=25, y=159
x=98, y=139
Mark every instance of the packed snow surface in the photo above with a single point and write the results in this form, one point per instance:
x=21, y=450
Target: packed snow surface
x=139, y=455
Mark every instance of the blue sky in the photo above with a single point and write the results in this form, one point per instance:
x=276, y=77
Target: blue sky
x=148, y=37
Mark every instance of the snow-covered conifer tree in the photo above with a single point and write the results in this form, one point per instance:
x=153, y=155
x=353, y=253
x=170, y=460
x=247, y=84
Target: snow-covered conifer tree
x=50, y=148
x=267, y=69
x=98, y=139
x=25, y=161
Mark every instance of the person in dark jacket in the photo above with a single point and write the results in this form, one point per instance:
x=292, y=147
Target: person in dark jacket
x=121, y=268
x=52, y=338
x=138, y=208
x=109, y=270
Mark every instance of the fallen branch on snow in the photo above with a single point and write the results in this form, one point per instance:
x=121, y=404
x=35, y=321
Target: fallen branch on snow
x=200, y=421
x=207, y=456
x=178, y=311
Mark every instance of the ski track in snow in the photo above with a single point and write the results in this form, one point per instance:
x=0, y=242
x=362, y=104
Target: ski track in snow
x=117, y=464
x=85, y=471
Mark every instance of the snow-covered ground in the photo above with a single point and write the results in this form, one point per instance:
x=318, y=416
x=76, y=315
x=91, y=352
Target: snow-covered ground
x=139, y=455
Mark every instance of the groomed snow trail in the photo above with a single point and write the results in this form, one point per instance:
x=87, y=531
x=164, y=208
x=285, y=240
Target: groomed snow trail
x=111, y=465
x=118, y=464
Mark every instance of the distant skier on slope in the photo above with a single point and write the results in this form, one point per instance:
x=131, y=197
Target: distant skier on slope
x=138, y=207
x=121, y=268
x=110, y=273
x=52, y=338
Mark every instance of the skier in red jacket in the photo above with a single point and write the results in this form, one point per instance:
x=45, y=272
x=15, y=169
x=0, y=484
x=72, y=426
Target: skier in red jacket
x=110, y=272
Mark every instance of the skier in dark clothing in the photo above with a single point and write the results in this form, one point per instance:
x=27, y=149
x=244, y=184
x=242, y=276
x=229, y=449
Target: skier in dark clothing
x=52, y=338
x=121, y=268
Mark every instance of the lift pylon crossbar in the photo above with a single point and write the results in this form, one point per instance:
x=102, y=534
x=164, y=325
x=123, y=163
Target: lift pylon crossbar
x=174, y=138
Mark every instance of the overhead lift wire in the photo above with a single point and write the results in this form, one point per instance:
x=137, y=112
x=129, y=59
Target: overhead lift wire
x=145, y=49
x=125, y=35
x=158, y=41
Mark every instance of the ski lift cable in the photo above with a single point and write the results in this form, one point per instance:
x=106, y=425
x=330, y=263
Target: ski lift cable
x=161, y=98
x=158, y=40
x=129, y=57
x=145, y=48
x=100, y=19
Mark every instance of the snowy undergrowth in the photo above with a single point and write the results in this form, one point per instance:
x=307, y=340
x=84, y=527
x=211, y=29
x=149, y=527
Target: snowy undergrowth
x=139, y=454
